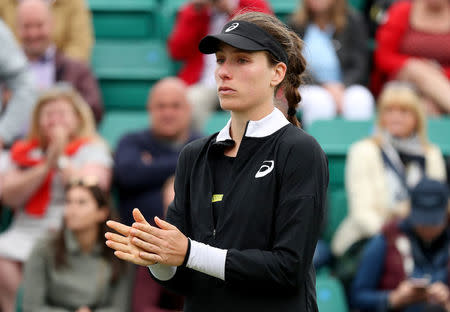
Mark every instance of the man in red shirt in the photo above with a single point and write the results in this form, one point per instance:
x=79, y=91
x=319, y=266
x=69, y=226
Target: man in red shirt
x=195, y=20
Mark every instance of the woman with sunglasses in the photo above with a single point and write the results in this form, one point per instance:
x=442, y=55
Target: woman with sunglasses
x=249, y=200
x=62, y=142
x=73, y=270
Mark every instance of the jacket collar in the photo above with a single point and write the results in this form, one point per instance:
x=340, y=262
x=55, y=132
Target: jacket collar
x=257, y=128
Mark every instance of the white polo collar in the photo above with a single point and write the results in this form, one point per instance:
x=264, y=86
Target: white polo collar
x=258, y=128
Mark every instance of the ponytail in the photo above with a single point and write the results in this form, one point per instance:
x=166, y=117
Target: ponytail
x=293, y=46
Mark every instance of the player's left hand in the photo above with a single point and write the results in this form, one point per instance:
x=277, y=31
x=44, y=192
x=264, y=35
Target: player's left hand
x=163, y=244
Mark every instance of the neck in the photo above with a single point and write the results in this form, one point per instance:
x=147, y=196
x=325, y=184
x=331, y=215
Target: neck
x=239, y=122
x=87, y=239
x=180, y=137
x=33, y=57
x=436, y=9
x=322, y=19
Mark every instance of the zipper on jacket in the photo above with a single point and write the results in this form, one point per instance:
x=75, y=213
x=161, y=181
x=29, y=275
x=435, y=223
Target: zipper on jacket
x=214, y=233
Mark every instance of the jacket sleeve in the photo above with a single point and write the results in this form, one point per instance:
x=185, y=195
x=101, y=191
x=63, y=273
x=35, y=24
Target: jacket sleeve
x=190, y=27
x=14, y=74
x=79, y=38
x=298, y=219
x=364, y=292
x=145, y=176
x=357, y=71
x=388, y=57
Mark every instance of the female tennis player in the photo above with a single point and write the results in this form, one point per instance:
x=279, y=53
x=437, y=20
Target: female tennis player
x=249, y=201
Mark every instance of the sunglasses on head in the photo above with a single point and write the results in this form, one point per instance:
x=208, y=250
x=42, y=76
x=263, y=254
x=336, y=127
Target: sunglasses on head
x=88, y=181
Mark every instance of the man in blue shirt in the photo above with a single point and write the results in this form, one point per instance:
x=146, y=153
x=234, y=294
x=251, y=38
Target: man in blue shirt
x=406, y=267
x=145, y=159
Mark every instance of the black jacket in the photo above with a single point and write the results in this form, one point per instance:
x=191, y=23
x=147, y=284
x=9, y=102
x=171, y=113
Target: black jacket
x=351, y=45
x=271, y=224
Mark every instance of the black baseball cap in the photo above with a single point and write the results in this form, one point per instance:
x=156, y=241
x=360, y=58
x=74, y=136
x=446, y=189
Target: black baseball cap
x=429, y=203
x=245, y=36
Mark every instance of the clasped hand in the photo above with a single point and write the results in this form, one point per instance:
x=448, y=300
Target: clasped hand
x=143, y=244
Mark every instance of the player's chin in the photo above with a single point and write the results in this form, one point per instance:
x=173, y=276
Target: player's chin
x=230, y=103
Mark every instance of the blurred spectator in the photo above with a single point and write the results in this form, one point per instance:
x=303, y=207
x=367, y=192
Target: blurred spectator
x=148, y=295
x=380, y=169
x=145, y=159
x=60, y=271
x=14, y=77
x=71, y=25
x=62, y=144
x=197, y=19
x=336, y=51
x=74, y=270
x=414, y=45
x=375, y=12
x=406, y=267
x=322, y=255
x=48, y=65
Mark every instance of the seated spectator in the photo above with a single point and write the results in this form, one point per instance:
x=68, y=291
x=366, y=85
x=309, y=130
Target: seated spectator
x=336, y=51
x=34, y=28
x=71, y=25
x=15, y=78
x=322, y=255
x=151, y=155
x=62, y=144
x=406, y=267
x=375, y=12
x=148, y=295
x=379, y=169
x=74, y=271
x=197, y=19
x=413, y=45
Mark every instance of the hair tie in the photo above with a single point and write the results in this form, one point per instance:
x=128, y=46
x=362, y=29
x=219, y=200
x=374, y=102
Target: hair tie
x=292, y=111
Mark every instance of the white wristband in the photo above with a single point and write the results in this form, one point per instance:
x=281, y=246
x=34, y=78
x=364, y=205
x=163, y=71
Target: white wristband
x=162, y=272
x=207, y=259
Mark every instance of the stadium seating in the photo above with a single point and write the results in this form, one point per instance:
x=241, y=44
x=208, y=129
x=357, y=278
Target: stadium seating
x=284, y=8
x=5, y=218
x=115, y=124
x=330, y=294
x=439, y=132
x=124, y=19
x=335, y=136
x=357, y=4
x=337, y=211
x=127, y=69
x=19, y=299
x=216, y=122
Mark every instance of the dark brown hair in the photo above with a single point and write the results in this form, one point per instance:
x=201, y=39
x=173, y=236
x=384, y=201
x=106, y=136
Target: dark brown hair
x=303, y=16
x=103, y=202
x=293, y=46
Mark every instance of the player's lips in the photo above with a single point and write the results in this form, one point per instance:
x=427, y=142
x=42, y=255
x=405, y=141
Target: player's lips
x=226, y=90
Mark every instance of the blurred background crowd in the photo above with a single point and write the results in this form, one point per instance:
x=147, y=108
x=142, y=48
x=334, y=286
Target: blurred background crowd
x=97, y=99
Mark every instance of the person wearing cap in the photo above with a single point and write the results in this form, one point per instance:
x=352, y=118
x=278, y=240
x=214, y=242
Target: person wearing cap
x=196, y=19
x=406, y=266
x=249, y=200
